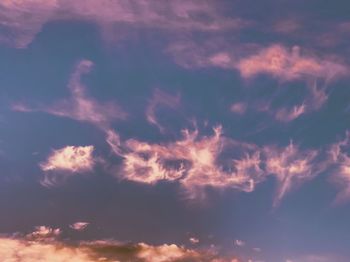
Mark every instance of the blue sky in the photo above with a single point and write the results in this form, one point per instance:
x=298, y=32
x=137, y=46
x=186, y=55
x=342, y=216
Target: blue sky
x=174, y=130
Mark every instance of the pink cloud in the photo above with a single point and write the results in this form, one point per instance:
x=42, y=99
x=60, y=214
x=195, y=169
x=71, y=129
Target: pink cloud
x=211, y=53
x=287, y=115
x=165, y=253
x=66, y=161
x=196, y=163
x=287, y=65
x=192, y=162
x=160, y=98
x=291, y=167
x=21, y=20
x=287, y=26
x=83, y=108
x=239, y=108
x=194, y=240
x=340, y=159
x=239, y=243
x=70, y=158
x=278, y=61
x=24, y=19
x=79, y=226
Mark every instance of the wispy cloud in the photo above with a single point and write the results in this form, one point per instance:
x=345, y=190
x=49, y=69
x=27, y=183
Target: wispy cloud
x=192, y=161
x=291, y=167
x=79, y=226
x=197, y=163
x=160, y=98
x=67, y=161
x=82, y=107
x=22, y=20
x=339, y=157
x=239, y=108
x=239, y=243
x=278, y=61
x=194, y=240
x=287, y=65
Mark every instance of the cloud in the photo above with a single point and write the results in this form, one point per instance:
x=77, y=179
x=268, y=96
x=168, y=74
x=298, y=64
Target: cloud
x=251, y=60
x=44, y=233
x=25, y=249
x=216, y=52
x=70, y=158
x=165, y=253
x=287, y=115
x=340, y=159
x=194, y=240
x=198, y=163
x=288, y=65
x=83, y=108
x=192, y=161
x=287, y=26
x=160, y=98
x=317, y=258
x=291, y=167
x=22, y=20
x=239, y=243
x=278, y=61
x=67, y=161
x=238, y=108
x=79, y=226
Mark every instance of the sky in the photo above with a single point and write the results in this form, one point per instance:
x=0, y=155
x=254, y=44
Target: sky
x=175, y=130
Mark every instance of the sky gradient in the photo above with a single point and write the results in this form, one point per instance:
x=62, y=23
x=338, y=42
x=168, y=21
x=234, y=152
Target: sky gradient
x=180, y=130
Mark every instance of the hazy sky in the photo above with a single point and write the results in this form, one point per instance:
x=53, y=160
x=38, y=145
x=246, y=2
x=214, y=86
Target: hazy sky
x=175, y=130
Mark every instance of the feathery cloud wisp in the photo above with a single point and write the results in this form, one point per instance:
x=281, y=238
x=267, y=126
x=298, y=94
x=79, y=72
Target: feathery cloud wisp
x=67, y=161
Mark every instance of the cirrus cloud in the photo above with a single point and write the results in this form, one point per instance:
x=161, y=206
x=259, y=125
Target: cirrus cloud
x=67, y=161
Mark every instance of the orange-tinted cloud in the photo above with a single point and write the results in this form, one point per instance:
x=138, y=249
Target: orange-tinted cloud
x=40, y=246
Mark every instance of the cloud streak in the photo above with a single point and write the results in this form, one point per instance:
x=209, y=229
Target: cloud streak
x=44, y=245
x=22, y=20
x=83, y=108
x=160, y=98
